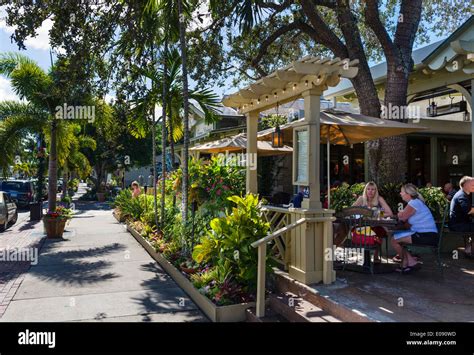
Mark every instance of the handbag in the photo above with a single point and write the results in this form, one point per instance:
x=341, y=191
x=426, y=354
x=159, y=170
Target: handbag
x=365, y=236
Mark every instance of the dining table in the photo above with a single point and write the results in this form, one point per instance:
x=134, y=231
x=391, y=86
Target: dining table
x=390, y=224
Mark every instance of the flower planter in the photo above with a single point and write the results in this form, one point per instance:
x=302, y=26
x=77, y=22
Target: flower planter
x=54, y=227
x=232, y=313
x=101, y=196
x=118, y=216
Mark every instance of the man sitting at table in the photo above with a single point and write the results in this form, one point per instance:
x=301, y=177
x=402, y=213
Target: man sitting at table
x=461, y=209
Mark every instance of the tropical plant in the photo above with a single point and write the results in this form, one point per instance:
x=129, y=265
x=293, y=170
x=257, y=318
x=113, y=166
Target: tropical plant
x=230, y=238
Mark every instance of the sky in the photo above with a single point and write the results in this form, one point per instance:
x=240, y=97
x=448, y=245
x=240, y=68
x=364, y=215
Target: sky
x=38, y=48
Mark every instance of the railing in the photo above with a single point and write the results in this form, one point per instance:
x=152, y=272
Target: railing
x=261, y=244
x=278, y=218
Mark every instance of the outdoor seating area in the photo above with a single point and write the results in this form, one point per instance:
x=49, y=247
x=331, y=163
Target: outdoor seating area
x=237, y=162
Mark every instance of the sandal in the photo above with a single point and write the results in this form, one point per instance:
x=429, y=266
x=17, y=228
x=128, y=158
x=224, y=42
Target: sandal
x=407, y=270
x=397, y=258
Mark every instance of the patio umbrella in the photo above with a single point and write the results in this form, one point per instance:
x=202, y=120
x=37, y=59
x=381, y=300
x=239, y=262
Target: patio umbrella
x=344, y=128
x=238, y=143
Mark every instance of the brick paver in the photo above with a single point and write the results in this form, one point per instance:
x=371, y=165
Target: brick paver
x=20, y=237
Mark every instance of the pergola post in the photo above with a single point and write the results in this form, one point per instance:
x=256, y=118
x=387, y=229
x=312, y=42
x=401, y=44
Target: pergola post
x=312, y=114
x=252, y=130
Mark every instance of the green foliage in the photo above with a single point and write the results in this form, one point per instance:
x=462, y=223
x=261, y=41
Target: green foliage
x=342, y=197
x=435, y=200
x=135, y=208
x=230, y=239
x=271, y=121
x=391, y=193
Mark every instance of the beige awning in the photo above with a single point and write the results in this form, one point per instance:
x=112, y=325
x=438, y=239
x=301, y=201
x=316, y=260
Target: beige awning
x=348, y=128
x=238, y=143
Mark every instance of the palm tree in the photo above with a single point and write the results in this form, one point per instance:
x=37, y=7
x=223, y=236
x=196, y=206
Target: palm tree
x=41, y=93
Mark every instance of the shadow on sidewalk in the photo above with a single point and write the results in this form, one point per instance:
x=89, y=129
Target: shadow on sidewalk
x=71, y=268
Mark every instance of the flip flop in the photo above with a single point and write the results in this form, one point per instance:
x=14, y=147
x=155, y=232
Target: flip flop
x=407, y=270
x=397, y=259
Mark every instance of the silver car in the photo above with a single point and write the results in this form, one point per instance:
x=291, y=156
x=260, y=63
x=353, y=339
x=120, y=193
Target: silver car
x=8, y=211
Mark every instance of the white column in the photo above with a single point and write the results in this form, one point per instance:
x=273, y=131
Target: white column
x=312, y=114
x=251, y=175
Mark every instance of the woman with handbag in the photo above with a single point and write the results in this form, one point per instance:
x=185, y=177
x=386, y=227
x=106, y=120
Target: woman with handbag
x=371, y=199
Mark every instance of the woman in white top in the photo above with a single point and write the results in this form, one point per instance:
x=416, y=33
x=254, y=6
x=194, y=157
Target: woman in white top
x=422, y=226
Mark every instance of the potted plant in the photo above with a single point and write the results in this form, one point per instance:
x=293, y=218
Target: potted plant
x=55, y=221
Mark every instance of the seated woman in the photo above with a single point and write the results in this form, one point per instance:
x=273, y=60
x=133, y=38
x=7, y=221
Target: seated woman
x=136, y=191
x=422, y=231
x=370, y=198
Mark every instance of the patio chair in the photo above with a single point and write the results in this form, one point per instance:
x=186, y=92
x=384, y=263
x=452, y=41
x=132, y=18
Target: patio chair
x=442, y=228
x=358, y=220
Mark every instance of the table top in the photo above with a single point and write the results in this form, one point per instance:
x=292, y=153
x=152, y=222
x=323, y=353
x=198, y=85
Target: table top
x=389, y=223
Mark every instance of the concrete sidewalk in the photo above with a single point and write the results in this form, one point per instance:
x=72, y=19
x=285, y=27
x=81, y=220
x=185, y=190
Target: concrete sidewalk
x=98, y=272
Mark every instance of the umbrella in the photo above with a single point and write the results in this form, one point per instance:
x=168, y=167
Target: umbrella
x=238, y=143
x=344, y=128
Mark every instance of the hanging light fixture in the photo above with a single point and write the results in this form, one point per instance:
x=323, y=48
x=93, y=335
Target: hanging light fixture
x=277, y=136
x=432, y=110
x=277, y=139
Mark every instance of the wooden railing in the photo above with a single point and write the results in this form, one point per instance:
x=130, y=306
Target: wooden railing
x=261, y=244
x=281, y=248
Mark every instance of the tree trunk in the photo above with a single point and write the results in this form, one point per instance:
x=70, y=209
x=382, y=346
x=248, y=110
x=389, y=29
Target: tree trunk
x=163, y=136
x=182, y=39
x=53, y=169
x=153, y=138
x=391, y=166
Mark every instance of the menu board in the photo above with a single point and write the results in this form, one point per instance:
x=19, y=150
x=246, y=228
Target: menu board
x=302, y=158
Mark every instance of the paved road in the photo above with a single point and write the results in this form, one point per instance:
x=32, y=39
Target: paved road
x=98, y=272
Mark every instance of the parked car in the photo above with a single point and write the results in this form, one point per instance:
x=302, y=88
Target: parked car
x=8, y=211
x=21, y=191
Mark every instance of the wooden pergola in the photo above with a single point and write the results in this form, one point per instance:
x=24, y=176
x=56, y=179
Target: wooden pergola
x=310, y=227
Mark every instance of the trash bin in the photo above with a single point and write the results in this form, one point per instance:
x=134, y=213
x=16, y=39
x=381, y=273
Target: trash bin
x=36, y=211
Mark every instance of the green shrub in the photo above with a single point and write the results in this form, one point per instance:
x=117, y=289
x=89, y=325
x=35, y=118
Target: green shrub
x=435, y=200
x=230, y=237
x=342, y=197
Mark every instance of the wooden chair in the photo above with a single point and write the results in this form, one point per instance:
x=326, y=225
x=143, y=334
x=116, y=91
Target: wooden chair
x=442, y=228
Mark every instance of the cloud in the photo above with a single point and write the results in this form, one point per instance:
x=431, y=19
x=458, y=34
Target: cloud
x=40, y=41
x=6, y=92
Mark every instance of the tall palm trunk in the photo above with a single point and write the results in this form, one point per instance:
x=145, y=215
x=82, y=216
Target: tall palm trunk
x=153, y=138
x=53, y=168
x=173, y=160
x=182, y=40
x=163, y=135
